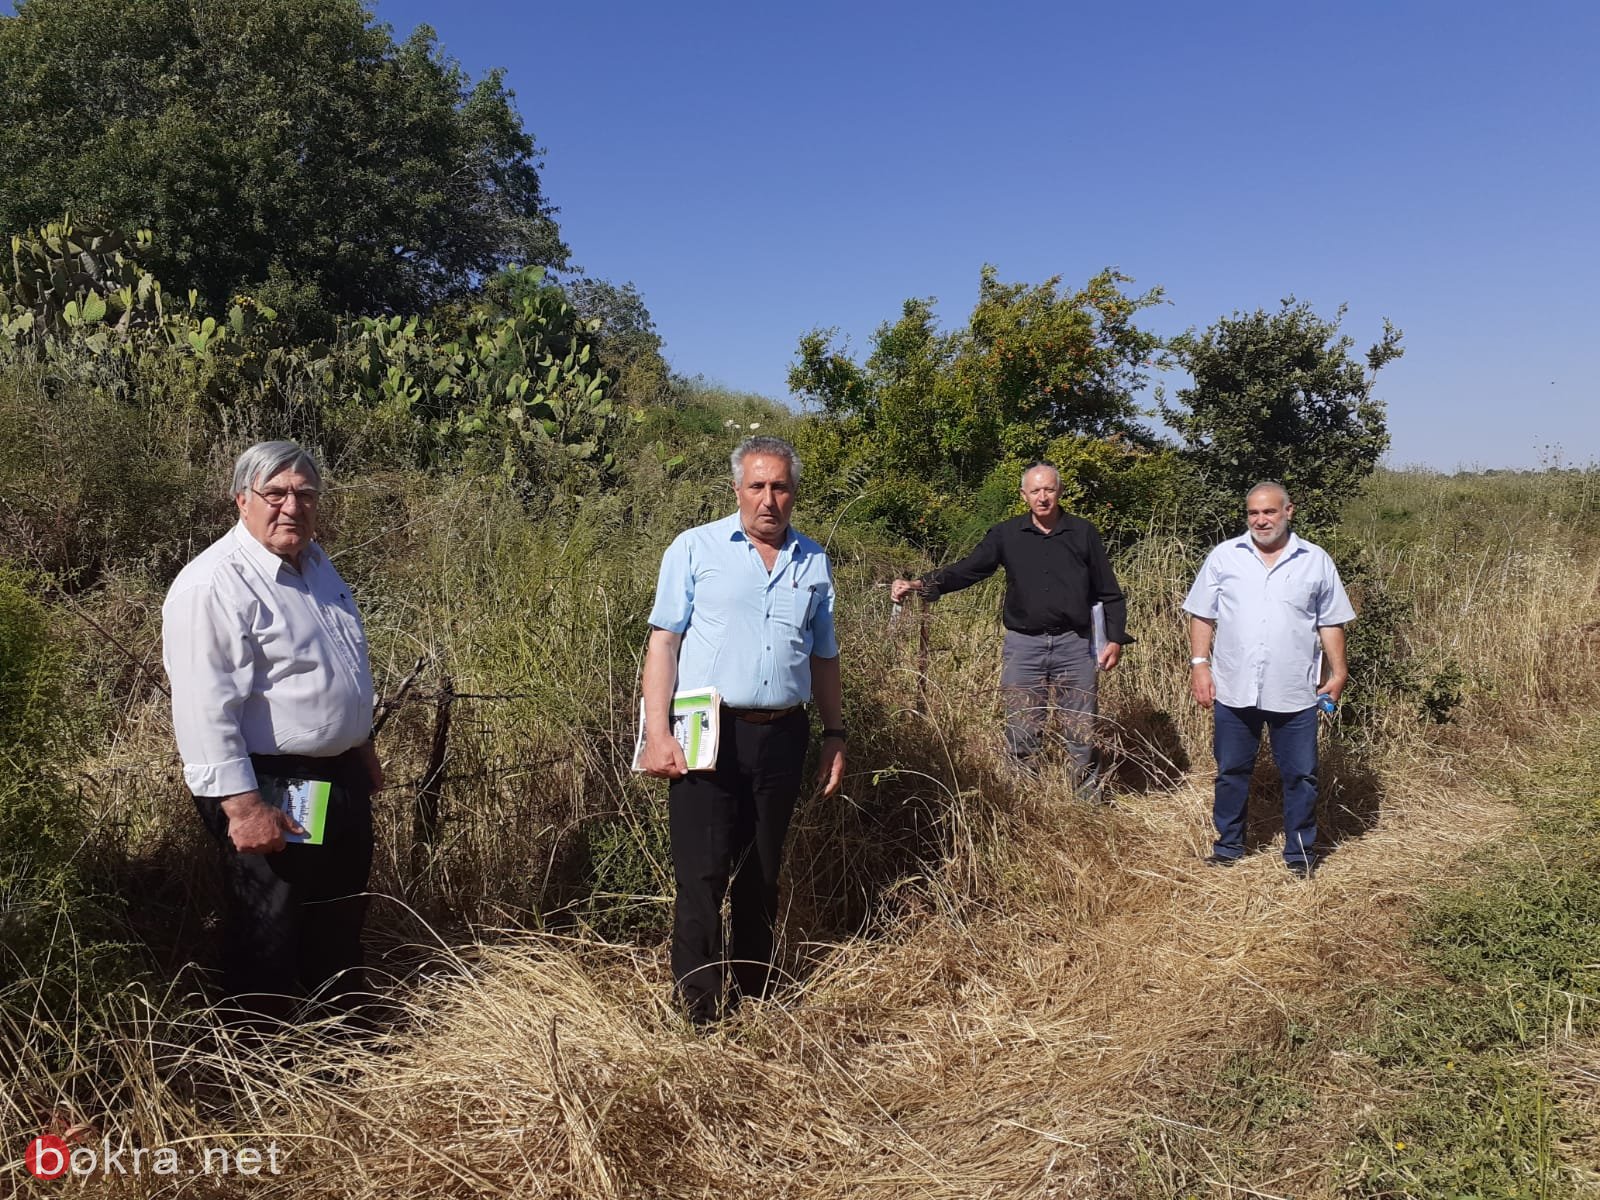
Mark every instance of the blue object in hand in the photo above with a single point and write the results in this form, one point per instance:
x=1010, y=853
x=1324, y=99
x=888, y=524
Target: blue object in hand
x=1327, y=704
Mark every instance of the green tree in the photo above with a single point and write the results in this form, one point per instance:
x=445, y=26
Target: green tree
x=289, y=149
x=925, y=423
x=626, y=341
x=1279, y=396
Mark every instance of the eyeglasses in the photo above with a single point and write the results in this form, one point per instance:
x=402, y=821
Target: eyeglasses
x=278, y=497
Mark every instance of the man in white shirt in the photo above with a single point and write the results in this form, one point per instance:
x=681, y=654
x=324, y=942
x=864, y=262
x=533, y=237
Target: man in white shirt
x=272, y=689
x=1277, y=609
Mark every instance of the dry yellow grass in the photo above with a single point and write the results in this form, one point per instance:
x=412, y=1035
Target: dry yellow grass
x=1026, y=1045
x=1069, y=1004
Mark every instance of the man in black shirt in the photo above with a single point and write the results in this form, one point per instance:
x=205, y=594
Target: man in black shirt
x=1056, y=571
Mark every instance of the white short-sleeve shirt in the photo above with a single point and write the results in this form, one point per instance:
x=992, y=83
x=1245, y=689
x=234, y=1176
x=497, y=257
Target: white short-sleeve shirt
x=1266, y=653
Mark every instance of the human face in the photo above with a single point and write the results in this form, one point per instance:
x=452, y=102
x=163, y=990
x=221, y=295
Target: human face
x=1268, y=512
x=287, y=529
x=1041, y=489
x=766, y=497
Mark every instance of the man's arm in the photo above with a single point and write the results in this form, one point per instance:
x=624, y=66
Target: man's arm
x=1106, y=590
x=662, y=754
x=1201, y=682
x=974, y=568
x=1332, y=638
x=210, y=665
x=256, y=827
x=827, y=688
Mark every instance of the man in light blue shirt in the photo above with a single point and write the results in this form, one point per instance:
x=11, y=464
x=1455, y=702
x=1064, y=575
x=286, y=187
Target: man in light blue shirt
x=1276, y=608
x=745, y=605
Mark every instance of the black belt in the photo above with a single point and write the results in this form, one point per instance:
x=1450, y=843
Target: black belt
x=346, y=769
x=762, y=716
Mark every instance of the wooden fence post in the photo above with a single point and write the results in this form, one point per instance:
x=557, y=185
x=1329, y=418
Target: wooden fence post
x=425, y=811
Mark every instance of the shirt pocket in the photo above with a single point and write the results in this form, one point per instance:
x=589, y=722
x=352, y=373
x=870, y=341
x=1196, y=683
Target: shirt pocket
x=792, y=609
x=1299, y=596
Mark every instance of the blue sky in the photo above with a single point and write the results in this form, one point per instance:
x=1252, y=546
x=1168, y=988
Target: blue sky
x=760, y=169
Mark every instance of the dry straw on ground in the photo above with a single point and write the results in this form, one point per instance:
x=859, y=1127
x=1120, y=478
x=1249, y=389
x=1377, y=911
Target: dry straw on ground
x=1065, y=1003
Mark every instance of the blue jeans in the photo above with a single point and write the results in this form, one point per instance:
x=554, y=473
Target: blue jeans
x=1236, y=737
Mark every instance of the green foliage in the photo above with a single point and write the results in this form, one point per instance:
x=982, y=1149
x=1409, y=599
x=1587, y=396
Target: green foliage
x=1277, y=396
x=628, y=879
x=511, y=385
x=38, y=827
x=625, y=340
x=926, y=423
x=286, y=149
x=74, y=277
x=1518, y=947
x=520, y=392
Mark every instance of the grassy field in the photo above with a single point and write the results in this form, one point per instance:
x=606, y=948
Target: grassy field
x=996, y=991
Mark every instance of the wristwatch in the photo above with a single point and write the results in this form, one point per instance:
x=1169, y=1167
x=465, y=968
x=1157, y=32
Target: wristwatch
x=834, y=733
x=1197, y=662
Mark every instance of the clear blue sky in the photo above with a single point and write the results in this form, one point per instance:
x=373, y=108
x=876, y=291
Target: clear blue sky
x=760, y=169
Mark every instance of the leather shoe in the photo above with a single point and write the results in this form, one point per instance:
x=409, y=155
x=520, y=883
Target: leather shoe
x=1219, y=860
x=1303, y=868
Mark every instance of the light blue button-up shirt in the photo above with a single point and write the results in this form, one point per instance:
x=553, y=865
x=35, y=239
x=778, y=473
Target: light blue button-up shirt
x=1267, y=653
x=747, y=632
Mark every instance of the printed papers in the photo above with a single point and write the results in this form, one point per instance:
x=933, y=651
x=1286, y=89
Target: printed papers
x=696, y=722
x=305, y=800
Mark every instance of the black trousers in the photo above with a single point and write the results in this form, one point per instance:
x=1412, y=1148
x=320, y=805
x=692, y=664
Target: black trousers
x=293, y=919
x=727, y=829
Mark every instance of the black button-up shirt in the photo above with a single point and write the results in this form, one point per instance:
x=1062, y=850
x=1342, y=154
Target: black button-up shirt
x=1052, y=579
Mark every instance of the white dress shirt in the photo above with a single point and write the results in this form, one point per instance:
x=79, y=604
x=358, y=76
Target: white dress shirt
x=263, y=660
x=1266, y=653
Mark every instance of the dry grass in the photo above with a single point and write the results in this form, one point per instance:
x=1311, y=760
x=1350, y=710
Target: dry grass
x=1062, y=1001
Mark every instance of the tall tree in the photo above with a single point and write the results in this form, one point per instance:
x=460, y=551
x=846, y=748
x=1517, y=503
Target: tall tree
x=285, y=148
x=938, y=413
x=1279, y=396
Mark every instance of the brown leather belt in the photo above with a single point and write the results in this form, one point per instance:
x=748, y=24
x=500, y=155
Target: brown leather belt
x=763, y=716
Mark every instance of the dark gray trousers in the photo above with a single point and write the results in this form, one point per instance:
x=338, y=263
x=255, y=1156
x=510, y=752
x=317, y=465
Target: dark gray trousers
x=1044, y=672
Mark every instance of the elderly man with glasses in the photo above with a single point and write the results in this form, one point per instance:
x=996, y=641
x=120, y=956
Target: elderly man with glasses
x=272, y=709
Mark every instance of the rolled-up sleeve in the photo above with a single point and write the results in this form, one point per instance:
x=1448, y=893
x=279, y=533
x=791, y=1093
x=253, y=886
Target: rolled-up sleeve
x=210, y=661
x=674, y=588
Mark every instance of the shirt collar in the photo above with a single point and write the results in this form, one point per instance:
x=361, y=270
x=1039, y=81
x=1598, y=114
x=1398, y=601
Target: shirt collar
x=269, y=562
x=1290, y=548
x=736, y=533
x=1025, y=523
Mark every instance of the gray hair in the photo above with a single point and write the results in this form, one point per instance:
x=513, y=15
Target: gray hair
x=1270, y=485
x=1049, y=466
x=770, y=446
x=266, y=459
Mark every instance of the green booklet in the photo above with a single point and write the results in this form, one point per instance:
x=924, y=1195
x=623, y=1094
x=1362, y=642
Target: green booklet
x=696, y=723
x=306, y=800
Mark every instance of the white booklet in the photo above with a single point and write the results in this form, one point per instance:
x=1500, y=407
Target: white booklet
x=1097, y=621
x=305, y=800
x=696, y=722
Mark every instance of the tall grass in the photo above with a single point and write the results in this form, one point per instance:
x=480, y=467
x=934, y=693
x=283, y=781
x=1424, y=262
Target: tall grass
x=994, y=988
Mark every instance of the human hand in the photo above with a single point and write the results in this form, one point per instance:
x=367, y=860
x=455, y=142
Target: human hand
x=663, y=757
x=1110, y=656
x=256, y=827
x=830, y=770
x=1202, y=685
x=1334, y=687
x=901, y=588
